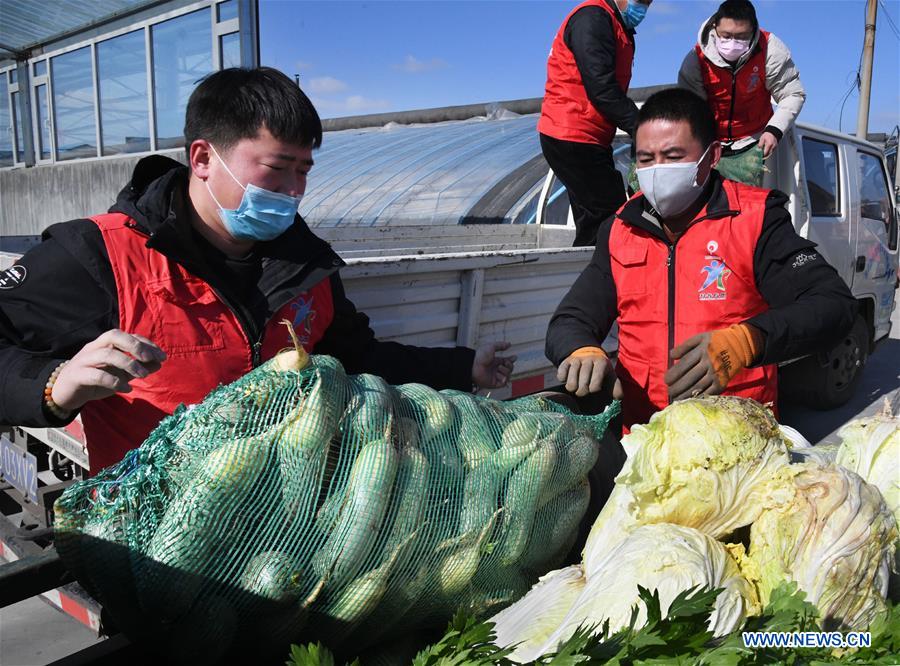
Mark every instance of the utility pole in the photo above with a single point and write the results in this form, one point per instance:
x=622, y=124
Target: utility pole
x=865, y=88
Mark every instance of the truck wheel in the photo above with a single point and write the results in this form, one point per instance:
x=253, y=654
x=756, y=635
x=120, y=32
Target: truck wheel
x=829, y=381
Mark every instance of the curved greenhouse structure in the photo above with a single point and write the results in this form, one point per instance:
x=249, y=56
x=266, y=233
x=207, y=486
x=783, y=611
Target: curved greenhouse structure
x=481, y=170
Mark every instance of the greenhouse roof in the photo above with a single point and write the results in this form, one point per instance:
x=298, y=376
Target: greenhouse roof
x=27, y=23
x=451, y=172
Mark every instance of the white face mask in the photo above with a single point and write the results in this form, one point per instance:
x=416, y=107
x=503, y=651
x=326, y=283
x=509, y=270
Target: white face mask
x=672, y=188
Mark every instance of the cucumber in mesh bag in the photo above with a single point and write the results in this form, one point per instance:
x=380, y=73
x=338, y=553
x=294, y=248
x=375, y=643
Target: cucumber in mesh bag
x=299, y=502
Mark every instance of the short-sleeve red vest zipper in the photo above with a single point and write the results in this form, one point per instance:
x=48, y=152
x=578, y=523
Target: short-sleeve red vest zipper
x=668, y=293
x=567, y=113
x=202, y=337
x=740, y=100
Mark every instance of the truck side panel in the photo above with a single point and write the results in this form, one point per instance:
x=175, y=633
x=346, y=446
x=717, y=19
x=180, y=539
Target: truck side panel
x=469, y=298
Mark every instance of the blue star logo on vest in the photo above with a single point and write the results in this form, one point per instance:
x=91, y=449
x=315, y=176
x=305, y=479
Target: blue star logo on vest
x=716, y=275
x=304, y=316
x=754, y=81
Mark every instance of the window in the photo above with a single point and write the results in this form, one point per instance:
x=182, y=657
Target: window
x=182, y=55
x=43, y=122
x=124, y=105
x=96, y=100
x=225, y=11
x=17, y=124
x=231, y=50
x=875, y=197
x=557, y=206
x=6, y=128
x=820, y=163
x=73, y=105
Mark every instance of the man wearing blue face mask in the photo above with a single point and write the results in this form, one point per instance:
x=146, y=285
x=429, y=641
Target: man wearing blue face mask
x=709, y=282
x=184, y=283
x=585, y=100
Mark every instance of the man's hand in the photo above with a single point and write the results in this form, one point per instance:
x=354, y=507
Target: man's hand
x=768, y=143
x=104, y=367
x=587, y=370
x=489, y=370
x=693, y=374
x=709, y=361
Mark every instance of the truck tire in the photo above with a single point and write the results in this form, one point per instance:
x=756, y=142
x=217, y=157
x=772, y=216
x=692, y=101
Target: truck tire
x=830, y=380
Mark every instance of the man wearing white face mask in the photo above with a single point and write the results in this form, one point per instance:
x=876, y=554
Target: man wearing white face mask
x=738, y=69
x=184, y=284
x=709, y=282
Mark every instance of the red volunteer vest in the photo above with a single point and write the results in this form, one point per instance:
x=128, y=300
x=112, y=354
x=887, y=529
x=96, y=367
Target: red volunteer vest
x=567, y=113
x=203, y=340
x=710, y=284
x=740, y=101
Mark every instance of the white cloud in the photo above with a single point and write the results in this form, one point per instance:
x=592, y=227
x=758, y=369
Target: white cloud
x=302, y=65
x=661, y=7
x=665, y=28
x=325, y=85
x=359, y=103
x=350, y=105
x=413, y=65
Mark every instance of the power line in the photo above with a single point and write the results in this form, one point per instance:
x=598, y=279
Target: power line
x=857, y=82
x=855, y=86
x=890, y=20
x=842, y=97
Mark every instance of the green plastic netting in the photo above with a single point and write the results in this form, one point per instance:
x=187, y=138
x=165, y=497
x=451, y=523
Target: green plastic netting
x=298, y=505
x=745, y=167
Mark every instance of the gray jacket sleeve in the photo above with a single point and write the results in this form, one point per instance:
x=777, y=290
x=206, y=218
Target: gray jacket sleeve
x=783, y=81
x=690, y=76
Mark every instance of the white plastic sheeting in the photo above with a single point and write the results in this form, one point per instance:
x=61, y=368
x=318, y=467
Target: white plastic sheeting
x=415, y=174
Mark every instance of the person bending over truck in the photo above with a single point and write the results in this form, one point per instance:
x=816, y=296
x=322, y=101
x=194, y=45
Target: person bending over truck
x=182, y=285
x=738, y=68
x=585, y=100
x=709, y=282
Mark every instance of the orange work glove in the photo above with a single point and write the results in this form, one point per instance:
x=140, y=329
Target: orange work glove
x=709, y=361
x=586, y=370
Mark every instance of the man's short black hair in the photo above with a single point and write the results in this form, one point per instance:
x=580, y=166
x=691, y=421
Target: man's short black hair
x=676, y=104
x=234, y=103
x=736, y=10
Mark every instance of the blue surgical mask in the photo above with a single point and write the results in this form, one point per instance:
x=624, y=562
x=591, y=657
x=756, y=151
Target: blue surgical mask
x=634, y=13
x=262, y=214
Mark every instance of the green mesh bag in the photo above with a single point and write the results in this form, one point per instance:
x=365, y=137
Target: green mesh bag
x=745, y=167
x=299, y=503
x=632, y=178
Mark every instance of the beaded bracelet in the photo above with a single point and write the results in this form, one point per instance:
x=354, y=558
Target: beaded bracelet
x=51, y=406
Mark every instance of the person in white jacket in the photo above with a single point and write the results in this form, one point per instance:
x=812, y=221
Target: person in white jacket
x=738, y=69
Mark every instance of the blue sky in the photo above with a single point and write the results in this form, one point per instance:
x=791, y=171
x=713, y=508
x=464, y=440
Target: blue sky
x=367, y=57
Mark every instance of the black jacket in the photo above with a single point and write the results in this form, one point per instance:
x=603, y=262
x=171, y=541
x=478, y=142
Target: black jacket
x=810, y=306
x=591, y=38
x=68, y=296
